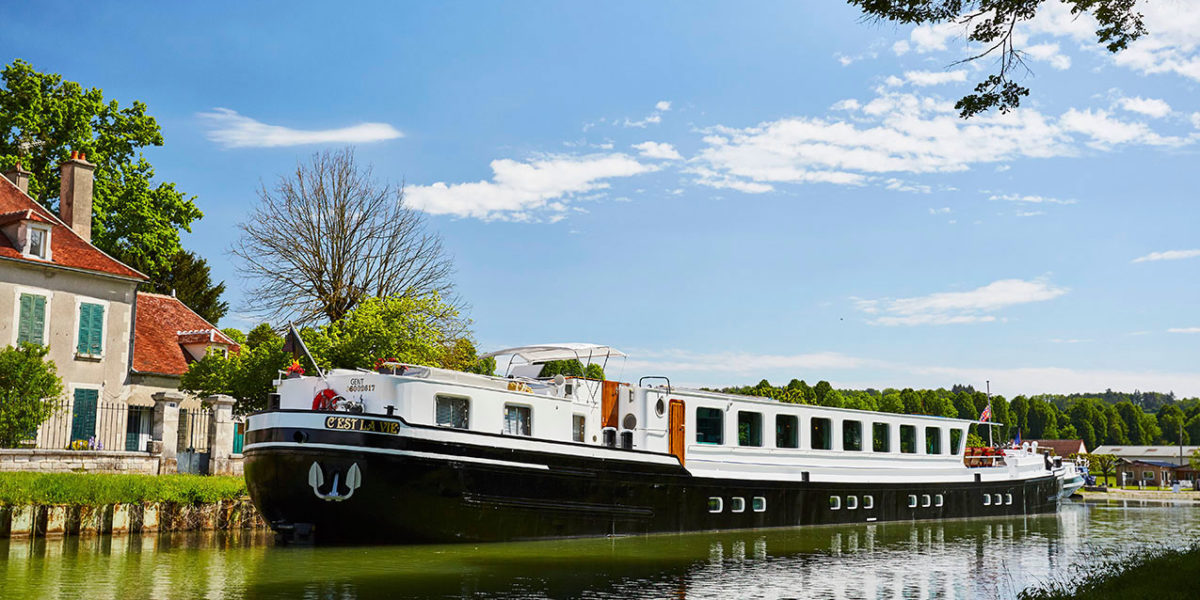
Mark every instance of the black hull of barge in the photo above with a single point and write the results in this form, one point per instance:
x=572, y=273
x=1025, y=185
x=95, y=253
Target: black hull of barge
x=423, y=493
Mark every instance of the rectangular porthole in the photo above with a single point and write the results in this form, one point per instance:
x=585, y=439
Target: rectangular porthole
x=868, y=502
x=912, y=500
x=787, y=431
x=925, y=501
x=1008, y=499
x=737, y=505
x=835, y=503
x=822, y=433
x=749, y=428
x=908, y=439
x=710, y=425
x=759, y=504
x=938, y=500
x=997, y=500
x=987, y=499
x=851, y=502
x=881, y=437
x=715, y=505
x=851, y=435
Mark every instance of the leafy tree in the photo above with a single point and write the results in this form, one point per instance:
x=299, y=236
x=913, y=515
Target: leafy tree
x=911, y=401
x=235, y=334
x=29, y=387
x=1104, y=464
x=1131, y=417
x=43, y=118
x=572, y=368
x=974, y=440
x=832, y=398
x=891, y=402
x=418, y=330
x=821, y=390
x=1018, y=411
x=189, y=278
x=329, y=236
x=1171, y=421
x=245, y=375
x=992, y=24
x=963, y=406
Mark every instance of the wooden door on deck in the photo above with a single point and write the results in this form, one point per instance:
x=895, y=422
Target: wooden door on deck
x=678, y=439
x=609, y=406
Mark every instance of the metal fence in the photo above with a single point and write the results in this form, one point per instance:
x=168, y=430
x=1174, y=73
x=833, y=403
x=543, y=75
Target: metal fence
x=95, y=425
x=193, y=455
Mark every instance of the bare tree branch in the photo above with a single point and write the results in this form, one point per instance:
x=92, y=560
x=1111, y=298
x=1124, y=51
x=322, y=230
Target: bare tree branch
x=329, y=235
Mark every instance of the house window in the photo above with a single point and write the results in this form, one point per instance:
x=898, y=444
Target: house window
x=1148, y=475
x=759, y=504
x=882, y=435
x=91, y=329
x=453, y=411
x=710, y=426
x=83, y=413
x=578, y=427
x=851, y=502
x=835, y=503
x=851, y=435
x=822, y=433
x=912, y=500
x=31, y=321
x=956, y=437
x=868, y=502
x=737, y=505
x=39, y=241
x=908, y=439
x=933, y=440
x=517, y=420
x=749, y=429
x=787, y=431
x=715, y=505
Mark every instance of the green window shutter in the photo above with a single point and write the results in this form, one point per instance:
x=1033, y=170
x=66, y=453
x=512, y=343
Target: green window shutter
x=91, y=328
x=39, y=320
x=25, y=321
x=83, y=423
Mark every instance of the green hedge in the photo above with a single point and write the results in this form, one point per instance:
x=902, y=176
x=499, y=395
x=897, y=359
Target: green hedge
x=96, y=488
x=1150, y=574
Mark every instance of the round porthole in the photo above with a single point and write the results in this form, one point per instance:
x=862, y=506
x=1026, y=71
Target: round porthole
x=630, y=421
x=660, y=407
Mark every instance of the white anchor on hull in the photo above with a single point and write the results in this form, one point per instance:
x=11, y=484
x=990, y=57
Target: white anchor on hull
x=316, y=479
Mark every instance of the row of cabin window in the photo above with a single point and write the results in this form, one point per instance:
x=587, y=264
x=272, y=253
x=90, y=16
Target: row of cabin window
x=716, y=504
x=997, y=499
x=31, y=324
x=710, y=429
x=868, y=502
x=454, y=411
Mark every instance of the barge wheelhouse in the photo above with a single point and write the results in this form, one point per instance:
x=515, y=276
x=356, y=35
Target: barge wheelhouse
x=417, y=454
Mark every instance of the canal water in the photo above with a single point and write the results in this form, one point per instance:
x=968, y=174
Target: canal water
x=983, y=558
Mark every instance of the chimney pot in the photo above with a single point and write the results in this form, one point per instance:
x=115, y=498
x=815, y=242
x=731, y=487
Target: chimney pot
x=75, y=195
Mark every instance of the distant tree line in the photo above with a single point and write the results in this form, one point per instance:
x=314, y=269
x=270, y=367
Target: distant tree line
x=1138, y=418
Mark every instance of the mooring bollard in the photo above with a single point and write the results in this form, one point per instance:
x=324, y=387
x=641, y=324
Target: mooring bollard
x=120, y=519
x=150, y=517
x=89, y=520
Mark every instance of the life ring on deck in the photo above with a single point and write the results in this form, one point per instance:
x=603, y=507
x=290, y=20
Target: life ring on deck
x=325, y=399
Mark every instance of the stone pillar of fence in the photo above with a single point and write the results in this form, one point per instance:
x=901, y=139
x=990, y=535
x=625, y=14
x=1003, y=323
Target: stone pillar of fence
x=220, y=434
x=166, y=430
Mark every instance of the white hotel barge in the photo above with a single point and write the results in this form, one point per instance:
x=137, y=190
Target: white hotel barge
x=417, y=454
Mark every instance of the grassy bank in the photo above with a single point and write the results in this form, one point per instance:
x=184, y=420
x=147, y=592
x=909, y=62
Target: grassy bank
x=96, y=489
x=1158, y=574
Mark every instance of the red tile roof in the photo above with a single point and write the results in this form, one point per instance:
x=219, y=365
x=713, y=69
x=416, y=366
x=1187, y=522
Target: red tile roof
x=1063, y=448
x=164, y=325
x=67, y=249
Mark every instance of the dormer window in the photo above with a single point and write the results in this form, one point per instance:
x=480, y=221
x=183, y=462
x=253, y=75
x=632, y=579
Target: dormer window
x=39, y=242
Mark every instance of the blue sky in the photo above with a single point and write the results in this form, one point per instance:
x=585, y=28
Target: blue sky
x=728, y=192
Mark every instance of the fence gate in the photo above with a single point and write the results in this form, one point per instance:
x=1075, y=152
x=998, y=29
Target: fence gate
x=193, y=454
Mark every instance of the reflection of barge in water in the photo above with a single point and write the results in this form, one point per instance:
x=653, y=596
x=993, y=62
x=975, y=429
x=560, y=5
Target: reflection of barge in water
x=418, y=454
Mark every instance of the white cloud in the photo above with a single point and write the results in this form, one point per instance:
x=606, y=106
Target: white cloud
x=233, y=130
x=1030, y=213
x=1196, y=120
x=948, y=308
x=1151, y=107
x=1106, y=131
x=1168, y=255
x=900, y=185
x=519, y=190
x=1184, y=330
x=653, y=118
x=901, y=47
x=1029, y=199
x=1171, y=44
x=927, y=78
x=714, y=179
x=662, y=105
x=1049, y=53
x=945, y=210
x=661, y=150
x=929, y=38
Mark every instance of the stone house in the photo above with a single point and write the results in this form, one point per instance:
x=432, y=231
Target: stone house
x=114, y=346
x=58, y=290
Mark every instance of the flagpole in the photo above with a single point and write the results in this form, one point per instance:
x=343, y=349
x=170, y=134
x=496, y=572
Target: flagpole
x=989, y=396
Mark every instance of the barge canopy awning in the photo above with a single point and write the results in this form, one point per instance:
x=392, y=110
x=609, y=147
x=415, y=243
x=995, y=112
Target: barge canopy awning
x=565, y=351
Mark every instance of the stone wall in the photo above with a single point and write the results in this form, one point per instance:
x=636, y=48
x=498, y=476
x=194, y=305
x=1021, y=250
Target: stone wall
x=64, y=461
